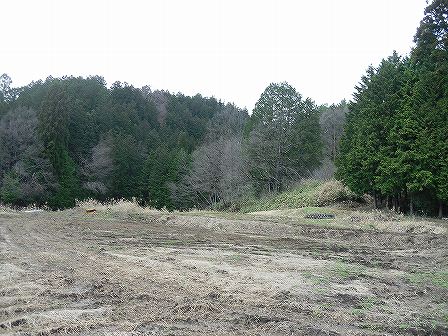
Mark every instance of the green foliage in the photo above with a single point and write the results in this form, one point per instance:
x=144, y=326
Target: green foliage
x=283, y=137
x=68, y=160
x=127, y=163
x=308, y=193
x=186, y=121
x=54, y=132
x=430, y=92
x=68, y=189
x=5, y=89
x=53, y=125
x=160, y=169
x=367, y=158
x=10, y=190
x=396, y=137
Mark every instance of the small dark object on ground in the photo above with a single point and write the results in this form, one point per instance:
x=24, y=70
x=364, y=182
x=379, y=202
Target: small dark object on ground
x=319, y=216
x=90, y=210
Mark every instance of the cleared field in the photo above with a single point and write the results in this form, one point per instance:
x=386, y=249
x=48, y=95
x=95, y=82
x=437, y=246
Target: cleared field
x=269, y=273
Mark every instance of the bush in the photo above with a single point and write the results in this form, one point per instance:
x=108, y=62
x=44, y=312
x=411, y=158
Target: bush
x=10, y=190
x=334, y=192
x=307, y=193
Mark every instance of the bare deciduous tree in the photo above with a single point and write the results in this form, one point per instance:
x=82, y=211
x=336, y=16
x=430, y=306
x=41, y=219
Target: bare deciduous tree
x=332, y=121
x=99, y=168
x=160, y=99
x=217, y=174
x=226, y=123
x=234, y=181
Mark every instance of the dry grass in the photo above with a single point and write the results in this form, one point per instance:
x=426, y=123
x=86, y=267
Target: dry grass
x=308, y=193
x=32, y=207
x=128, y=270
x=371, y=220
x=119, y=206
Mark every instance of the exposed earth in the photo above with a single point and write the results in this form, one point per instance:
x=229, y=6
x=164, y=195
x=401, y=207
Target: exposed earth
x=142, y=272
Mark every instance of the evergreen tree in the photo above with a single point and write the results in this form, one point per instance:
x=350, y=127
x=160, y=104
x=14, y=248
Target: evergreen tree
x=127, y=159
x=160, y=169
x=54, y=132
x=68, y=184
x=367, y=162
x=10, y=189
x=283, y=137
x=429, y=99
x=53, y=124
x=396, y=137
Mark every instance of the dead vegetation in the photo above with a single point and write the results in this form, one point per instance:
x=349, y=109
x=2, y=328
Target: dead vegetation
x=127, y=270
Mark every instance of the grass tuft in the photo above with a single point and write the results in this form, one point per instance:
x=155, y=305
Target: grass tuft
x=438, y=279
x=310, y=193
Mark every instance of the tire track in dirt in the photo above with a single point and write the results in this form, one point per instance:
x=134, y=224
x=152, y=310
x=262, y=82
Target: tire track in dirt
x=93, y=275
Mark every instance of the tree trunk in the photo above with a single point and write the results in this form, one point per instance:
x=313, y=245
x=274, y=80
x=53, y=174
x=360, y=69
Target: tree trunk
x=396, y=203
x=440, y=209
x=381, y=199
x=411, y=205
x=406, y=203
x=334, y=145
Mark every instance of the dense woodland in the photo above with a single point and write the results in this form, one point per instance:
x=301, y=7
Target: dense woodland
x=71, y=138
x=395, y=145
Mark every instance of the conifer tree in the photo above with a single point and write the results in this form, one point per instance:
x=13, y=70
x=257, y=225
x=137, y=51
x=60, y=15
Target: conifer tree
x=284, y=137
x=53, y=129
x=429, y=98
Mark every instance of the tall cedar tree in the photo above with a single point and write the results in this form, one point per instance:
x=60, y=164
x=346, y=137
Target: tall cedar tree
x=54, y=131
x=367, y=162
x=429, y=97
x=396, y=137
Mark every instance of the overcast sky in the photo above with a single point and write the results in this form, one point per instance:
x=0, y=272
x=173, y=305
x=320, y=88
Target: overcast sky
x=229, y=49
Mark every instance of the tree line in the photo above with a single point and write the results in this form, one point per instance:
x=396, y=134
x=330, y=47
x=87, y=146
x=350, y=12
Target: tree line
x=395, y=144
x=71, y=138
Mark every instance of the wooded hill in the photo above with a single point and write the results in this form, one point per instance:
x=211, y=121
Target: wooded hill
x=71, y=138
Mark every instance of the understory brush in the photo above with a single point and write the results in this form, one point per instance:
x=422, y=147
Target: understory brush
x=309, y=193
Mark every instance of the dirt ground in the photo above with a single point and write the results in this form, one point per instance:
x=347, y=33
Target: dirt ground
x=272, y=273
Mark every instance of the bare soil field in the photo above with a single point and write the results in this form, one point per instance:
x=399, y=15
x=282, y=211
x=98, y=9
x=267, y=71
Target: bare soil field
x=270, y=273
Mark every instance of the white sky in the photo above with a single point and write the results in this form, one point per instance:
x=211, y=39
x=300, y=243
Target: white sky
x=229, y=49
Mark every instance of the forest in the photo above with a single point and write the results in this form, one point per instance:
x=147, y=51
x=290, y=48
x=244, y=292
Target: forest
x=395, y=143
x=72, y=138
x=66, y=139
